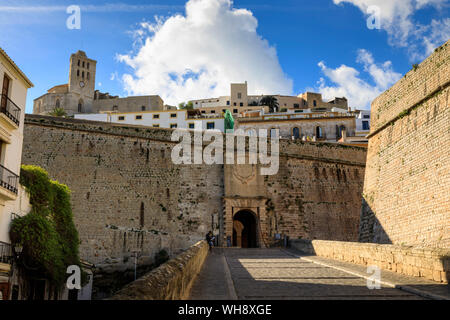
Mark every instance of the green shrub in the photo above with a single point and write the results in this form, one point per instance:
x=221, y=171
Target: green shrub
x=48, y=235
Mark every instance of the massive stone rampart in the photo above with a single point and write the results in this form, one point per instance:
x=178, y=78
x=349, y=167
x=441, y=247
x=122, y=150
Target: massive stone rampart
x=407, y=182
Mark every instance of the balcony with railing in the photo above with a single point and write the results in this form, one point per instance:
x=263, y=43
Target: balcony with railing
x=5, y=253
x=9, y=181
x=10, y=109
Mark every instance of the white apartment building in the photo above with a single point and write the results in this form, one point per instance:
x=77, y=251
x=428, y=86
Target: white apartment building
x=362, y=122
x=176, y=119
x=13, y=198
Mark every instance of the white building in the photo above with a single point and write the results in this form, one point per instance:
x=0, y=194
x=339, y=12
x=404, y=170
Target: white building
x=362, y=122
x=176, y=119
x=13, y=198
x=240, y=101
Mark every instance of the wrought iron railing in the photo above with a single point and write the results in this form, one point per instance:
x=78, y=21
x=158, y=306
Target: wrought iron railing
x=5, y=253
x=9, y=180
x=10, y=109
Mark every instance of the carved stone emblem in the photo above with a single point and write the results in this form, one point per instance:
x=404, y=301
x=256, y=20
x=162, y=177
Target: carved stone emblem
x=244, y=172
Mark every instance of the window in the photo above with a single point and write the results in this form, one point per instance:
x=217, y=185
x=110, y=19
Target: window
x=203, y=111
x=80, y=106
x=5, y=90
x=296, y=105
x=241, y=104
x=88, y=65
x=173, y=126
x=58, y=104
x=341, y=130
x=143, y=108
x=78, y=62
x=191, y=125
x=235, y=111
x=115, y=108
x=78, y=73
x=210, y=126
x=82, y=74
x=273, y=133
x=234, y=104
x=224, y=110
x=173, y=115
x=139, y=117
x=213, y=111
x=366, y=116
x=239, y=96
x=228, y=103
x=315, y=103
x=296, y=133
x=156, y=126
x=121, y=118
x=156, y=116
x=366, y=125
x=88, y=76
x=319, y=132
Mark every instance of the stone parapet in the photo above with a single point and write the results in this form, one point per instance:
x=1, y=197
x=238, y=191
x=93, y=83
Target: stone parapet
x=171, y=281
x=430, y=263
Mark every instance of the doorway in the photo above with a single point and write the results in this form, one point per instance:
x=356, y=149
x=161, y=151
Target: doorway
x=245, y=230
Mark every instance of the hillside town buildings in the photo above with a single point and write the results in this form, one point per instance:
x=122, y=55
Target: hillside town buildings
x=306, y=116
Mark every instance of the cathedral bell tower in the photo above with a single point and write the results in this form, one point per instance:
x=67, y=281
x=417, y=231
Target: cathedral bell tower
x=82, y=80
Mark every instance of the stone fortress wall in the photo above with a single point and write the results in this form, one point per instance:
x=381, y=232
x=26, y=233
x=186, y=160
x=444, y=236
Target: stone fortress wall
x=127, y=195
x=407, y=182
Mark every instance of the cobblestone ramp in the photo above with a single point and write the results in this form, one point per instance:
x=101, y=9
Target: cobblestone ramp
x=274, y=274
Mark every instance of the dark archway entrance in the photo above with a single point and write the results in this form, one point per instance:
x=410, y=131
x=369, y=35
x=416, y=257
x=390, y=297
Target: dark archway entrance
x=245, y=230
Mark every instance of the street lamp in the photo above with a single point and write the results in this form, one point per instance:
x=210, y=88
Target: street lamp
x=18, y=250
x=137, y=254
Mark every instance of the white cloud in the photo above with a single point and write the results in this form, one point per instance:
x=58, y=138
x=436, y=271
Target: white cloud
x=397, y=19
x=198, y=55
x=347, y=81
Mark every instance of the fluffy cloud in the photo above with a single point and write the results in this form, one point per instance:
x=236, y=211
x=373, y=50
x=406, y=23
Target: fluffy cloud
x=198, y=55
x=347, y=81
x=397, y=19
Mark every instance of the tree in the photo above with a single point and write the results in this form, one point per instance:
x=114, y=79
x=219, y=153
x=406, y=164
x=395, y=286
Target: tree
x=271, y=102
x=186, y=106
x=58, y=112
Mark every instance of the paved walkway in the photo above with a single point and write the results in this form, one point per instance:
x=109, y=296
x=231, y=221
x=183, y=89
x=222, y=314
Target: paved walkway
x=277, y=274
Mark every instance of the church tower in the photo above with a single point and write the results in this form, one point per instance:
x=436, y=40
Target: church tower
x=82, y=81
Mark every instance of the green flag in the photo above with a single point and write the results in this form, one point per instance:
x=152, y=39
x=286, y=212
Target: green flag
x=229, y=122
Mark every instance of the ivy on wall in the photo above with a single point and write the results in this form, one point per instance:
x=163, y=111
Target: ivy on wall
x=48, y=235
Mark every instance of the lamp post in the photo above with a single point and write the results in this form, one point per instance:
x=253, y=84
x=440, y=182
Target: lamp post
x=136, y=253
x=18, y=250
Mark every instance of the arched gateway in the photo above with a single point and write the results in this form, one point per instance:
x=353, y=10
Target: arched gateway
x=245, y=230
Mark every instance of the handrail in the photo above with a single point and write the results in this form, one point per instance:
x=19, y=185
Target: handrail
x=9, y=180
x=5, y=252
x=10, y=109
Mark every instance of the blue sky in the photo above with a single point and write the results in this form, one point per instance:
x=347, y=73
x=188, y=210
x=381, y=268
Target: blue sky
x=287, y=46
